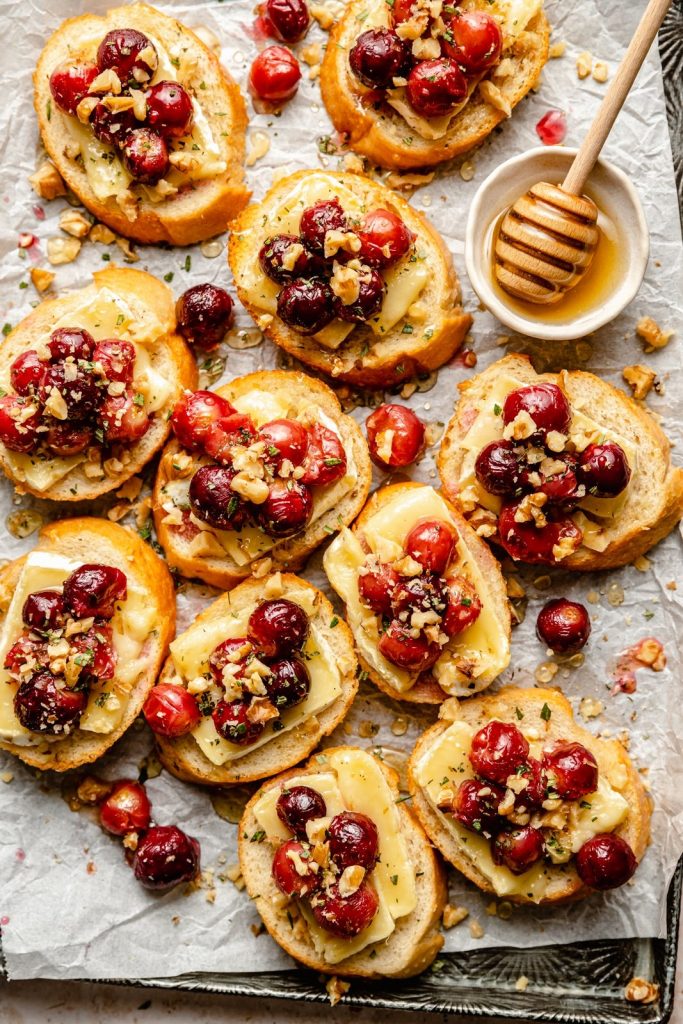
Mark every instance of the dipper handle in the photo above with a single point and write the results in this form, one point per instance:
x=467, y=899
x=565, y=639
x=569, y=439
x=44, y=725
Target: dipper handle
x=584, y=161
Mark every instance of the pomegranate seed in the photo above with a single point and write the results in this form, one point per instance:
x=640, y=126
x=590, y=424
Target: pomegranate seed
x=552, y=128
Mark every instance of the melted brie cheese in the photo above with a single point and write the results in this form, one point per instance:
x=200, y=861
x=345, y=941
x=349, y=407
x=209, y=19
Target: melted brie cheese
x=131, y=625
x=352, y=780
x=191, y=650
x=107, y=315
x=447, y=764
x=405, y=281
x=482, y=647
x=488, y=426
x=250, y=543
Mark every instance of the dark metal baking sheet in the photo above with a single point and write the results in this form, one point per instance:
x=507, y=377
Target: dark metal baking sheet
x=582, y=983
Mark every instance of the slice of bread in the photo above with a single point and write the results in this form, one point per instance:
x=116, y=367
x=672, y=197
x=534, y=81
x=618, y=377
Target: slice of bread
x=152, y=305
x=297, y=390
x=556, y=723
x=416, y=940
x=654, y=499
x=201, y=208
x=186, y=760
x=97, y=540
x=415, y=344
x=380, y=133
x=426, y=689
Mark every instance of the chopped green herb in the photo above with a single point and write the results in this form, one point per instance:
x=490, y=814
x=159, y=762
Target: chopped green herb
x=546, y=713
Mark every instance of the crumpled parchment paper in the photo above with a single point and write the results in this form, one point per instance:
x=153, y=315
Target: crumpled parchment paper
x=69, y=906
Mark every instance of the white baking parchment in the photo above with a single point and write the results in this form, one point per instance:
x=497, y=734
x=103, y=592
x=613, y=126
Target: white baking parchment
x=69, y=906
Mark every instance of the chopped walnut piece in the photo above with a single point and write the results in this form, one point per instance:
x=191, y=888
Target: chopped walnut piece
x=107, y=82
x=261, y=710
x=600, y=71
x=312, y=54
x=584, y=64
x=91, y=790
x=522, y=983
x=530, y=509
x=261, y=567
x=234, y=874
x=557, y=49
x=520, y=428
x=47, y=181
x=336, y=988
x=453, y=915
x=85, y=108
x=639, y=990
x=494, y=97
x=351, y=879
x=650, y=652
x=652, y=334
x=41, y=279
x=101, y=233
x=640, y=379
x=62, y=250
x=74, y=223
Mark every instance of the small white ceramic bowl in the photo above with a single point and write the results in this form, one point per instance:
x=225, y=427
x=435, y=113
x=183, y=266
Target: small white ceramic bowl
x=615, y=196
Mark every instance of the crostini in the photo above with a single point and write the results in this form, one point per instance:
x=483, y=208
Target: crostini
x=254, y=684
x=85, y=622
x=339, y=870
x=144, y=124
x=259, y=473
x=425, y=599
x=527, y=804
x=559, y=469
x=88, y=383
x=412, y=83
x=347, y=277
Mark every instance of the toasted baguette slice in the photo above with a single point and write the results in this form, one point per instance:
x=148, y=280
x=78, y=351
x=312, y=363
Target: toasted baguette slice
x=415, y=344
x=416, y=940
x=380, y=133
x=201, y=208
x=296, y=390
x=91, y=541
x=522, y=707
x=654, y=499
x=153, y=319
x=426, y=689
x=184, y=758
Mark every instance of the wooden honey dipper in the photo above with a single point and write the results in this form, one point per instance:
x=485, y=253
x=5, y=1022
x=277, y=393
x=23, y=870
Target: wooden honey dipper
x=548, y=238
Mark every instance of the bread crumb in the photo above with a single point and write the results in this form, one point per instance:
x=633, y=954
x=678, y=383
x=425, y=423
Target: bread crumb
x=408, y=182
x=649, y=331
x=453, y=915
x=672, y=585
x=557, y=49
x=367, y=729
x=476, y=930
x=234, y=874
x=336, y=988
x=640, y=380
x=6, y=777
x=515, y=590
x=41, y=279
x=352, y=162
x=492, y=95
x=642, y=564
x=584, y=64
x=522, y=983
x=640, y=991
x=590, y=708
